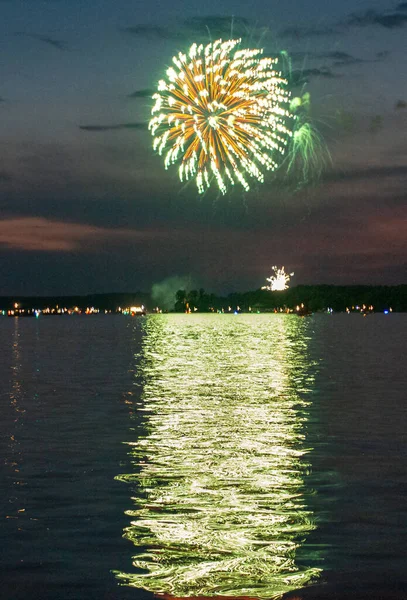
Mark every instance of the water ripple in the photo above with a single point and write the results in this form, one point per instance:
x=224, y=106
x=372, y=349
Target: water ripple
x=220, y=456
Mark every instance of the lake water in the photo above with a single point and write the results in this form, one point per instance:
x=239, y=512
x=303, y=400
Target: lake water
x=241, y=455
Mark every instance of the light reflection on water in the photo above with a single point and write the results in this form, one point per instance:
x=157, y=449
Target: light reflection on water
x=14, y=456
x=220, y=456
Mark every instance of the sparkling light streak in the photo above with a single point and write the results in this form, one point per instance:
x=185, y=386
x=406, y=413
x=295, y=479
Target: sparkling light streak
x=223, y=114
x=219, y=457
x=278, y=281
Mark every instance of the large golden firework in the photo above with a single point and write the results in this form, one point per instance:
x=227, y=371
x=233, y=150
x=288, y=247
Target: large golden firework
x=224, y=114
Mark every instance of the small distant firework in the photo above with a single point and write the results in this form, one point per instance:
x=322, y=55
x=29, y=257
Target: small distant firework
x=226, y=114
x=279, y=281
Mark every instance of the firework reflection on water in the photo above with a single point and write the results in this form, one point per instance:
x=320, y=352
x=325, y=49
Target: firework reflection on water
x=220, y=456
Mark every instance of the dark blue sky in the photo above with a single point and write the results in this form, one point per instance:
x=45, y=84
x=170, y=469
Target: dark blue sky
x=85, y=205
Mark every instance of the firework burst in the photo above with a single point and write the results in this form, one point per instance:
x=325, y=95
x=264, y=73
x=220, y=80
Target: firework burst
x=223, y=114
x=278, y=281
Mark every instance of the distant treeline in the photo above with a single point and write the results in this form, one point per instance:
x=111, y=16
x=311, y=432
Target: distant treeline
x=101, y=301
x=313, y=297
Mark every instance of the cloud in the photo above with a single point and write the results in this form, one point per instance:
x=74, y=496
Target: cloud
x=400, y=105
x=47, y=235
x=338, y=58
x=97, y=128
x=35, y=233
x=304, y=32
x=389, y=20
x=357, y=246
x=298, y=77
x=392, y=19
x=2, y=99
x=59, y=44
x=343, y=59
x=210, y=27
x=383, y=54
x=146, y=93
x=368, y=174
x=5, y=177
x=218, y=25
x=153, y=32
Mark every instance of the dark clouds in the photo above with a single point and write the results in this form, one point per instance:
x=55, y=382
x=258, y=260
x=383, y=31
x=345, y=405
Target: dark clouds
x=218, y=26
x=299, y=77
x=337, y=58
x=153, y=32
x=47, y=235
x=343, y=59
x=309, y=32
x=35, y=233
x=349, y=229
x=146, y=93
x=207, y=28
x=86, y=204
x=215, y=26
x=389, y=20
x=341, y=241
x=368, y=174
x=116, y=127
x=58, y=44
x=383, y=54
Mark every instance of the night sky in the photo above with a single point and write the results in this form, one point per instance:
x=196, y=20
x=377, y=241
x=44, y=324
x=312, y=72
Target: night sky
x=87, y=207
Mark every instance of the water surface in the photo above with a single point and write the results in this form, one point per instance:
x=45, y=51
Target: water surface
x=215, y=454
x=220, y=456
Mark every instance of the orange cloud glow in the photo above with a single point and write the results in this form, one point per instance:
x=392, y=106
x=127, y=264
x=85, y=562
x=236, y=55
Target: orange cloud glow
x=40, y=234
